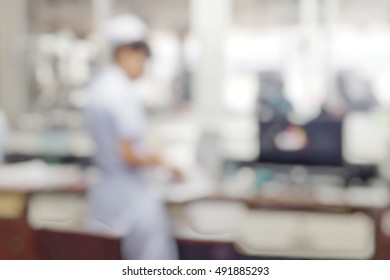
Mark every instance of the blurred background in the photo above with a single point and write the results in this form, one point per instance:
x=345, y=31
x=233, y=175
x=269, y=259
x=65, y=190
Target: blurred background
x=278, y=111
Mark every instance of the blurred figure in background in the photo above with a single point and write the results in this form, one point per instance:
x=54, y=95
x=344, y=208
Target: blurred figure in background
x=120, y=203
x=3, y=136
x=356, y=92
x=274, y=105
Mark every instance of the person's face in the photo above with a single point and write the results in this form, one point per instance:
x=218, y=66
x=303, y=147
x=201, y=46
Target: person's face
x=132, y=61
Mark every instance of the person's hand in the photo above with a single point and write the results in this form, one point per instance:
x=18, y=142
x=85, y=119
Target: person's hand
x=177, y=174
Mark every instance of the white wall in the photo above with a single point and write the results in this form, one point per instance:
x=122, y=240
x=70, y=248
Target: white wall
x=13, y=82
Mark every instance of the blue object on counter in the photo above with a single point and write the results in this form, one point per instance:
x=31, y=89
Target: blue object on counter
x=263, y=176
x=55, y=142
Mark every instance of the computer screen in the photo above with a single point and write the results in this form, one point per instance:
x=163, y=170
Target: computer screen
x=316, y=143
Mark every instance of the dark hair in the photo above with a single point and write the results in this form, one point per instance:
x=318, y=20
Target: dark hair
x=141, y=46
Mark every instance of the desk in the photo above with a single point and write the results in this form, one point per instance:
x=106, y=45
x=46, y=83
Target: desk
x=19, y=182
x=365, y=219
x=197, y=241
x=17, y=239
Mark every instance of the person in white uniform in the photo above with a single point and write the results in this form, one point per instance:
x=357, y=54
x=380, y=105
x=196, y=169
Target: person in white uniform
x=120, y=203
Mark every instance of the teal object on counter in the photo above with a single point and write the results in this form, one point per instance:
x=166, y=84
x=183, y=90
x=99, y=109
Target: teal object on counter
x=263, y=176
x=55, y=143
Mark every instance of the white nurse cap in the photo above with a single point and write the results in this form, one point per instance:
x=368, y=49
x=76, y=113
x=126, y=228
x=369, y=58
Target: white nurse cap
x=124, y=29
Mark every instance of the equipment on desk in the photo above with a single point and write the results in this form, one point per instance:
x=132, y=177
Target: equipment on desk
x=315, y=143
x=318, y=146
x=299, y=155
x=323, y=141
x=51, y=145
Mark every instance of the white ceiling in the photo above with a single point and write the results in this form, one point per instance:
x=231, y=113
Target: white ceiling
x=165, y=14
x=174, y=14
x=265, y=12
x=364, y=11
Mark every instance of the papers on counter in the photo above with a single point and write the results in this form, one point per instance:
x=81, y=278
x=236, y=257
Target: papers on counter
x=195, y=185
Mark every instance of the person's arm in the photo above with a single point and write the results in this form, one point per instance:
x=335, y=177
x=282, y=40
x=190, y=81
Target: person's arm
x=129, y=123
x=130, y=157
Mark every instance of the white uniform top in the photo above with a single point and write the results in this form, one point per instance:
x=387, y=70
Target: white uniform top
x=113, y=113
x=120, y=204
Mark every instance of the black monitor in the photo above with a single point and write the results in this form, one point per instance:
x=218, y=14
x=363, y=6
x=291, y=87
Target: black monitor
x=316, y=143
